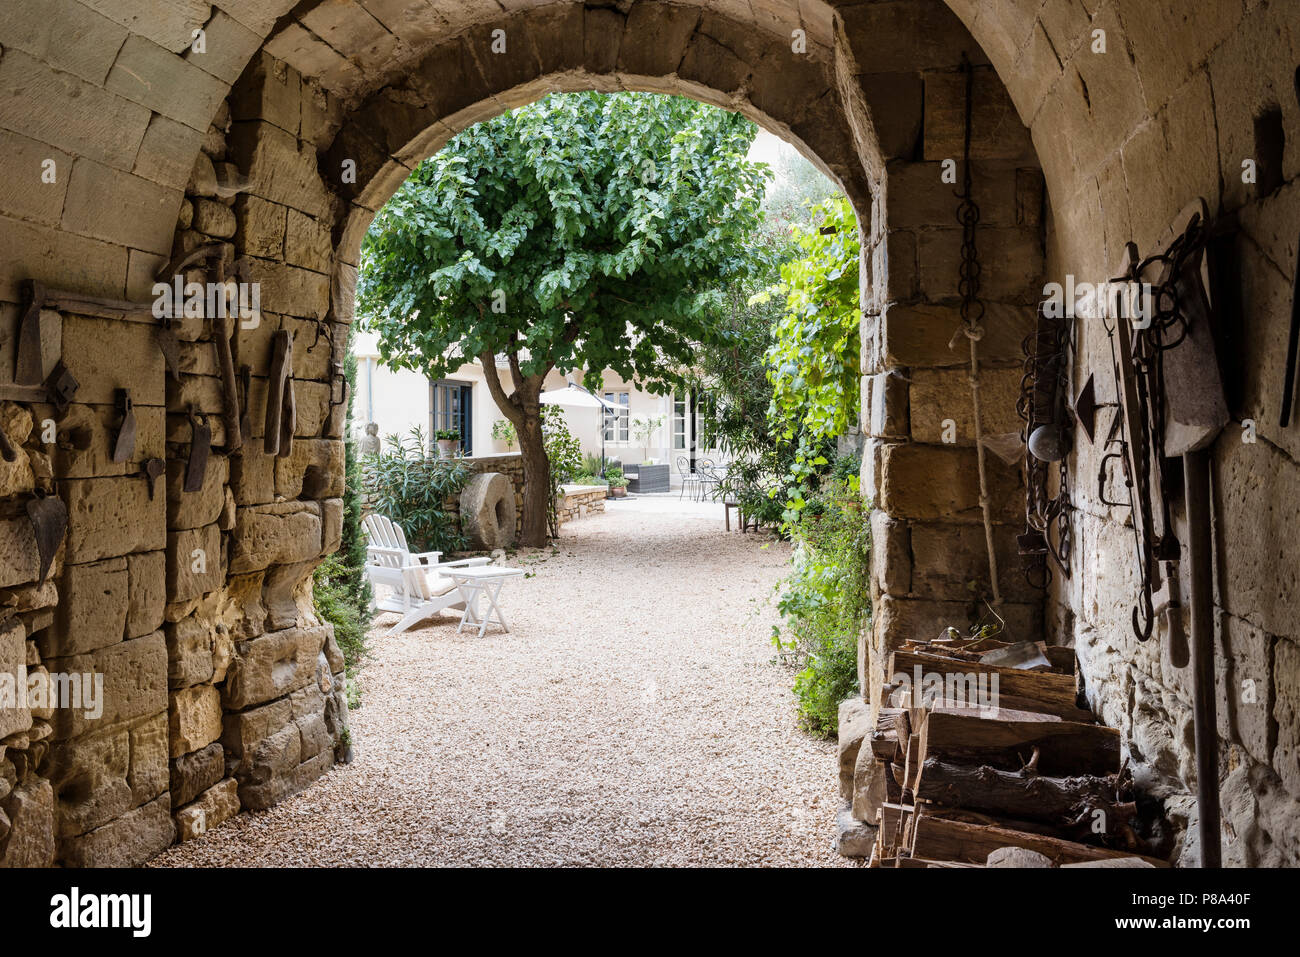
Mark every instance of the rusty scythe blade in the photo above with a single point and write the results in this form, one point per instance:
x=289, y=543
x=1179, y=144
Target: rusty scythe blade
x=200, y=447
x=49, y=518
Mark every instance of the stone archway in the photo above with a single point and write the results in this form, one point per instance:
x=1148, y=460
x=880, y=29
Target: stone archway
x=126, y=118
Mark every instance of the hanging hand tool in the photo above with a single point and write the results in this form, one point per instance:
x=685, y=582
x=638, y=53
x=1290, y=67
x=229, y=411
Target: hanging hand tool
x=1292, y=345
x=226, y=363
x=125, y=444
x=49, y=518
x=281, y=407
x=152, y=470
x=200, y=447
x=28, y=359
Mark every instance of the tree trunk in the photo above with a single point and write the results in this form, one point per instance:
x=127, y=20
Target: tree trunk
x=537, y=482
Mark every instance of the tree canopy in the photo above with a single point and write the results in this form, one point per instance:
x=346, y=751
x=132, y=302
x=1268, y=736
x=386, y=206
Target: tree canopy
x=582, y=230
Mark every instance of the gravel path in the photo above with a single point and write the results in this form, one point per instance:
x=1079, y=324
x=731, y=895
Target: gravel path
x=633, y=717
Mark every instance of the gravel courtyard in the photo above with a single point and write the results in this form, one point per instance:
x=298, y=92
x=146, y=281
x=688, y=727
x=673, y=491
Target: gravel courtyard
x=634, y=716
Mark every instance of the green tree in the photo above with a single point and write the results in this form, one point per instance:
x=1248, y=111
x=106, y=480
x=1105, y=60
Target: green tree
x=585, y=231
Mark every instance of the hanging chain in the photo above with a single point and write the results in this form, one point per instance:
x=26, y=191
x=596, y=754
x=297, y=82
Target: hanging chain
x=972, y=317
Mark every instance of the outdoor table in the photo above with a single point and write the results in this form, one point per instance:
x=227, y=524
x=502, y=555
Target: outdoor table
x=477, y=581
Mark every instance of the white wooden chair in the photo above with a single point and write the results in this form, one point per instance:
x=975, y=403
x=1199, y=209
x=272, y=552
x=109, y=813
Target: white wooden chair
x=418, y=589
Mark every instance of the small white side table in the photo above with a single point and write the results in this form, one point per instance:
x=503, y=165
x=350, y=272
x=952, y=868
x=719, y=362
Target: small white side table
x=484, y=581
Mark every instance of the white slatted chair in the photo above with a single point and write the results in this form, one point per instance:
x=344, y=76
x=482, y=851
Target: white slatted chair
x=418, y=590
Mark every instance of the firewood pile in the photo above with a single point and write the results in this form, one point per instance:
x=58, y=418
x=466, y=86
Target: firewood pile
x=979, y=746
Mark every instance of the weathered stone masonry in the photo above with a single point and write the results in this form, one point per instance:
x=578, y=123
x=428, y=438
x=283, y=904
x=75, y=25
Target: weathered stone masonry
x=223, y=690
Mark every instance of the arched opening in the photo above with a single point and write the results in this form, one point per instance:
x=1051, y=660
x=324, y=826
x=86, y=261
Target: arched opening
x=196, y=654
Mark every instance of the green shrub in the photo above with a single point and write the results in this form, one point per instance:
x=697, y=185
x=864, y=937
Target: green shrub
x=336, y=603
x=340, y=586
x=564, y=453
x=408, y=484
x=826, y=602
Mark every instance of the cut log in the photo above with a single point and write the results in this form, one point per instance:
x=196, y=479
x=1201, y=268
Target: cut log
x=1063, y=802
x=1018, y=857
x=939, y=838
x=971, y=683
x=1064, y=747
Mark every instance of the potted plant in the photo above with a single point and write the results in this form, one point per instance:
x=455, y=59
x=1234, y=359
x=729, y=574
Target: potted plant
x=617, y=481
x=644, y=427
x=448, y=443
x=503, y=430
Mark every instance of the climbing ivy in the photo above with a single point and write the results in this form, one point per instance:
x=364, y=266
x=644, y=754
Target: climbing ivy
x=813, y=360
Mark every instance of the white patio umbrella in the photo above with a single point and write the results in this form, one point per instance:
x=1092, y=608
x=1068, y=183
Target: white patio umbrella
x=575, y=395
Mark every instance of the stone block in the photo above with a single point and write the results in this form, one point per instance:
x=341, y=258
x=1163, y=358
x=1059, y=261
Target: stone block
x=290, y=290
x=195, y=564
x=891, y=554
x=1011, y=263
x=287, y=595
x=853, y=838
x=256, y=796
x=228, y=48
x=30, y=809
x=212, y=808
x=127, y=841
x=86, y=435
x=272, y=665
x=279, y=534
x=252, y=476
x=146, y=592
x=655, y=38
x=213, y=219
x=195, y=509
x=26, y=196
x=331, y=518
x=942, y=482
x=855, y=727
x=279, y=169
x=244, y=731
x=938, y=395
x=895, y=101
x=270, y=92
x=189, y=651
x=308, y=242
x=195, y=718
x=134, y=684
x=93, y=611
x=260, y=227
x=314, y=735
x=18, y=560
x=996, y=130
x=13, y=661
x=142, y=213
x=1244, y=682
x=156, y=78
x=919, y=335
x=313, y=470
x=888, y=404
x=946, y=559
x=193, y=773
x=1286, y=712
x=96, y=349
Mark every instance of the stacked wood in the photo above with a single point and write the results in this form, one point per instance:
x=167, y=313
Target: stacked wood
x=979, y=745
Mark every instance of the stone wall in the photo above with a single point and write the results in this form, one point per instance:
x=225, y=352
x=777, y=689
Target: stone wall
x=125, y=146
x=580, y=501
